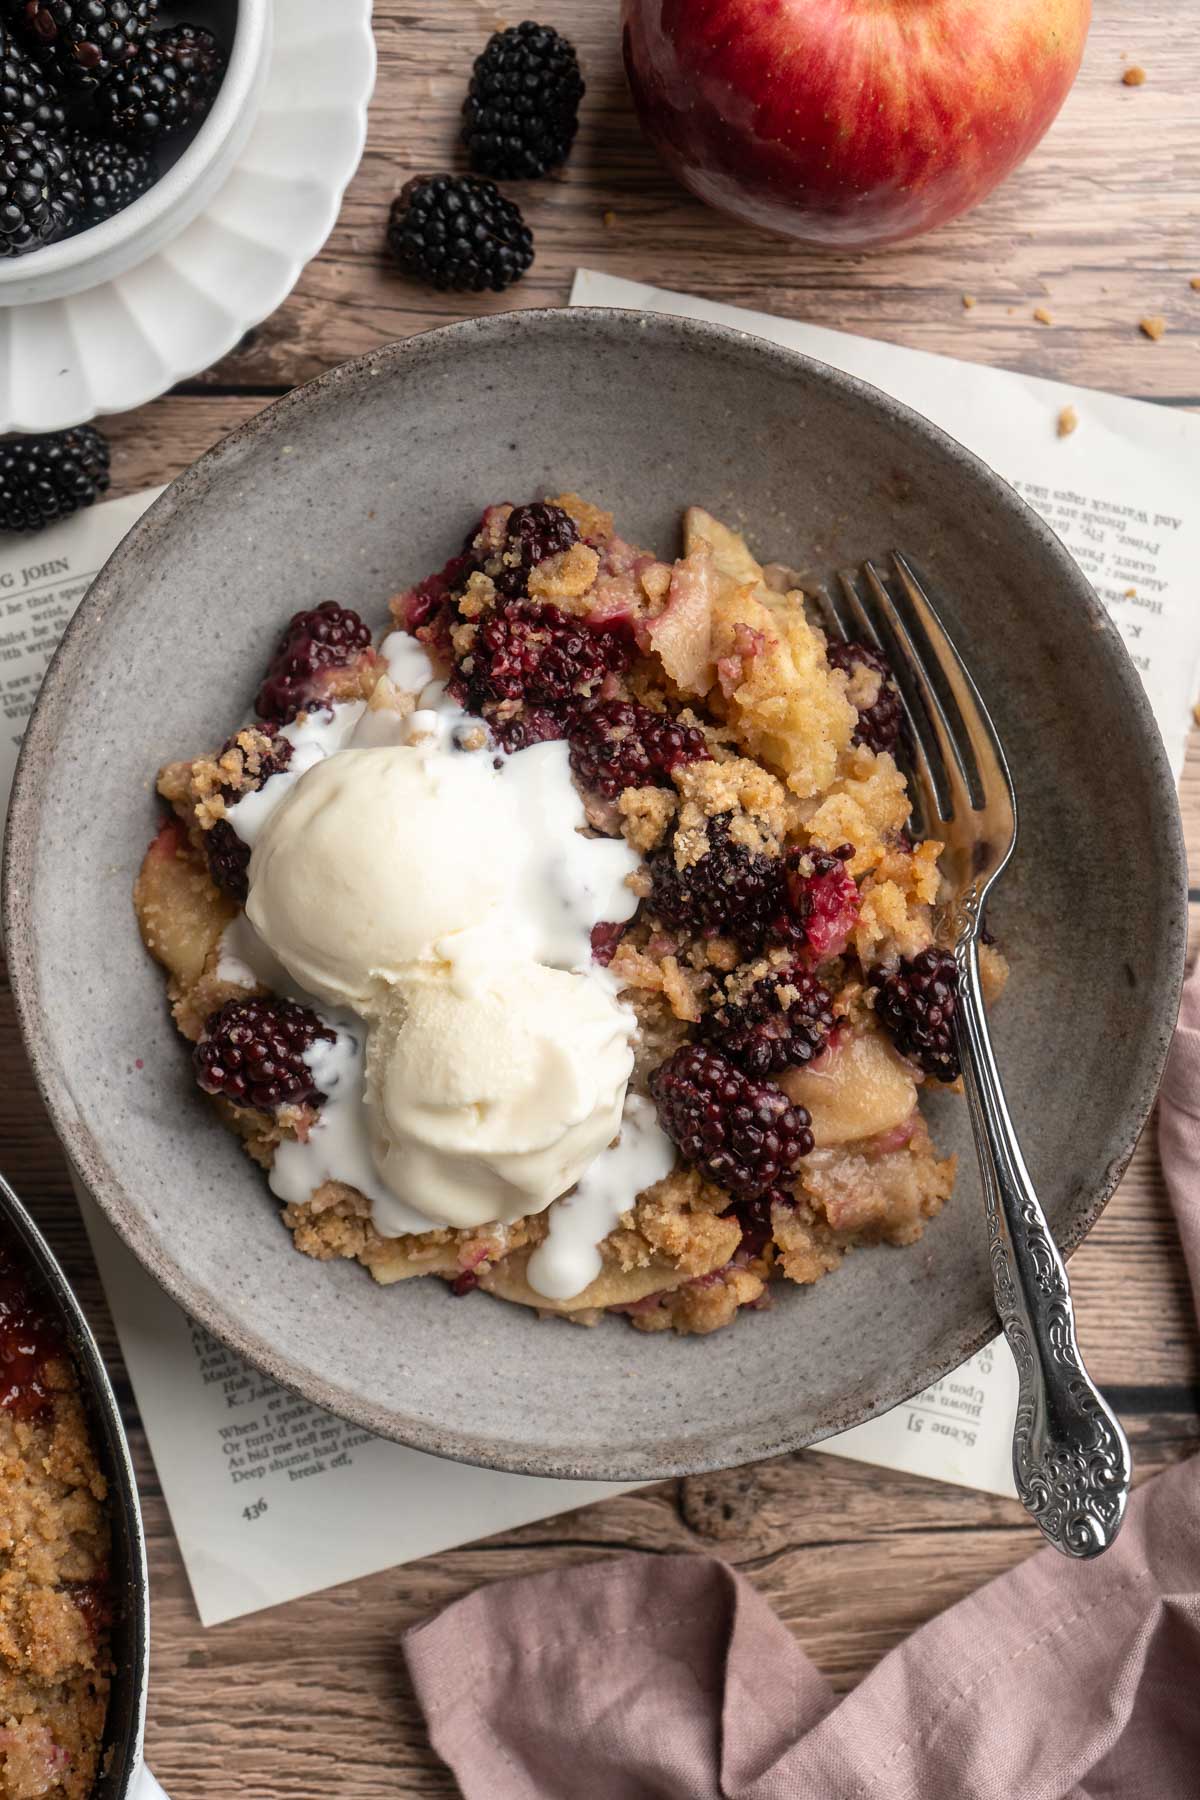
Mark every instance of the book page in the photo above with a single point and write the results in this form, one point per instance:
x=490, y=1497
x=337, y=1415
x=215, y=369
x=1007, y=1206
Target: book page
x=43, y=577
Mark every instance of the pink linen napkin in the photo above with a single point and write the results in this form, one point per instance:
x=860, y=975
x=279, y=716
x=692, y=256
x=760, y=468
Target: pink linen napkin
x=669, y=1678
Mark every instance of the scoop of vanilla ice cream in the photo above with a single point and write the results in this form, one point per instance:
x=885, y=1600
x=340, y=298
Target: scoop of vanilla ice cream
x=492, y=1086
x=375, y=857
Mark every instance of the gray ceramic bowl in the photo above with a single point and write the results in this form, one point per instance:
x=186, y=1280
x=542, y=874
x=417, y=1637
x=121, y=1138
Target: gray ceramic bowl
x=354, y=486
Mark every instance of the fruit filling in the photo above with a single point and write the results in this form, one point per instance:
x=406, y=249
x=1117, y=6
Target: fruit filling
x=55, y=1661
x=568, y=941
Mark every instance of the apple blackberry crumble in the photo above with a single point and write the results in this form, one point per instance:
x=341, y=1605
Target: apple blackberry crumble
x=54, y=1549
x=570, y=942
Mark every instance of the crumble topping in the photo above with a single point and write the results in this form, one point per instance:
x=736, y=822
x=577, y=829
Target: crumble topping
x=810, y=896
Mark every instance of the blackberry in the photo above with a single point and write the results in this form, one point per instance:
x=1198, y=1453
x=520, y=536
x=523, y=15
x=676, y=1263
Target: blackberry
x=729, y=890
x=754, y=1217
x=39, y=195
x=878, y=724
x=228, y=856
x=251, y=1053
x=744, y=1136
x=328, y=636
x=44, y=479
x=521, y=112
x=457, y=231
x=779, y=1023
x=27, y=99
x=617, y=744
x=605, y=938
x=534, y=533
x=918, y=1004
x=84, y=41
x=821, y=902
x=537, y=654
x=531, y=725
x=169, y=85
x=111, y=176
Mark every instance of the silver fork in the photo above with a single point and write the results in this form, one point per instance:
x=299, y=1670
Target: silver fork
x=1070, y=1458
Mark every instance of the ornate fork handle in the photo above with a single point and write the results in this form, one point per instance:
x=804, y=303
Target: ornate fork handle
x=1070, y=1457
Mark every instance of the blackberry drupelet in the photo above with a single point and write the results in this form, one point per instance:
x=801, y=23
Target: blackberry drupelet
x=328, y=636
x=27, y=99
x=781, y=1022
x=917, y=1004
x=618, y=744
x=878, y=724
x=537, y=654
x=39, y=193
x=83, y=41
x=535, y=532
x=744, y=1136
x=251, y=1053
x=228, y=856
x=111, y=176
x=521, y=112
x=457, y=231
x=169, y=85
x=43, y=479
x=730, y=890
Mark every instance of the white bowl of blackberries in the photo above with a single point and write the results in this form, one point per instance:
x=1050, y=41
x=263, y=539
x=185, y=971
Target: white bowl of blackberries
x=119, y=120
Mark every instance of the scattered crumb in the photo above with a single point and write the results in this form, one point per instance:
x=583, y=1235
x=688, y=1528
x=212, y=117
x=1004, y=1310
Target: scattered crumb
x=1012, y=309
x=1134, y=75
x=1068, y=419
x=1153, y=327
x=1042, y=315
x=1196, y=713
x=1195, y=282
x=610, y=218
x=1131, y=593
x=968, y=301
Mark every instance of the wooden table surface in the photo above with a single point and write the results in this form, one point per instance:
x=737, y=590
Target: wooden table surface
x=1099, y=228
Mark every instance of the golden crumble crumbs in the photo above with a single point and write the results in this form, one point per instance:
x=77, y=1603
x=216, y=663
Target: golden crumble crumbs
x=1067, y=421
x=1153, y=327
x=1134, y=75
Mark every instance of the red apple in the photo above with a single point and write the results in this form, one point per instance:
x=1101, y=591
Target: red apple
x=849, y=123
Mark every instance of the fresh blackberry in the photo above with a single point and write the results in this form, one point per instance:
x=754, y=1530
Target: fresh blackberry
x=228, y=856
x=537, y=654
x=729, y=890
x=328, y=636
x=169, y=85
x=251, y=1053
x=618, y=744
x=457, y=231
x=878, y=724
x=521, y=112
x=39, y=194
x=744, y=1136
x=534, y=533
x=44, y=479
x=821, y=902
x=780, y=1023
x=84, y=41
x=918, y=1004
x=27, y=99
x=111, y=176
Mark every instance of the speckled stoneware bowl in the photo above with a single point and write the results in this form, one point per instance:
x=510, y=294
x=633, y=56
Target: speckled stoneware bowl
x=354, y=486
